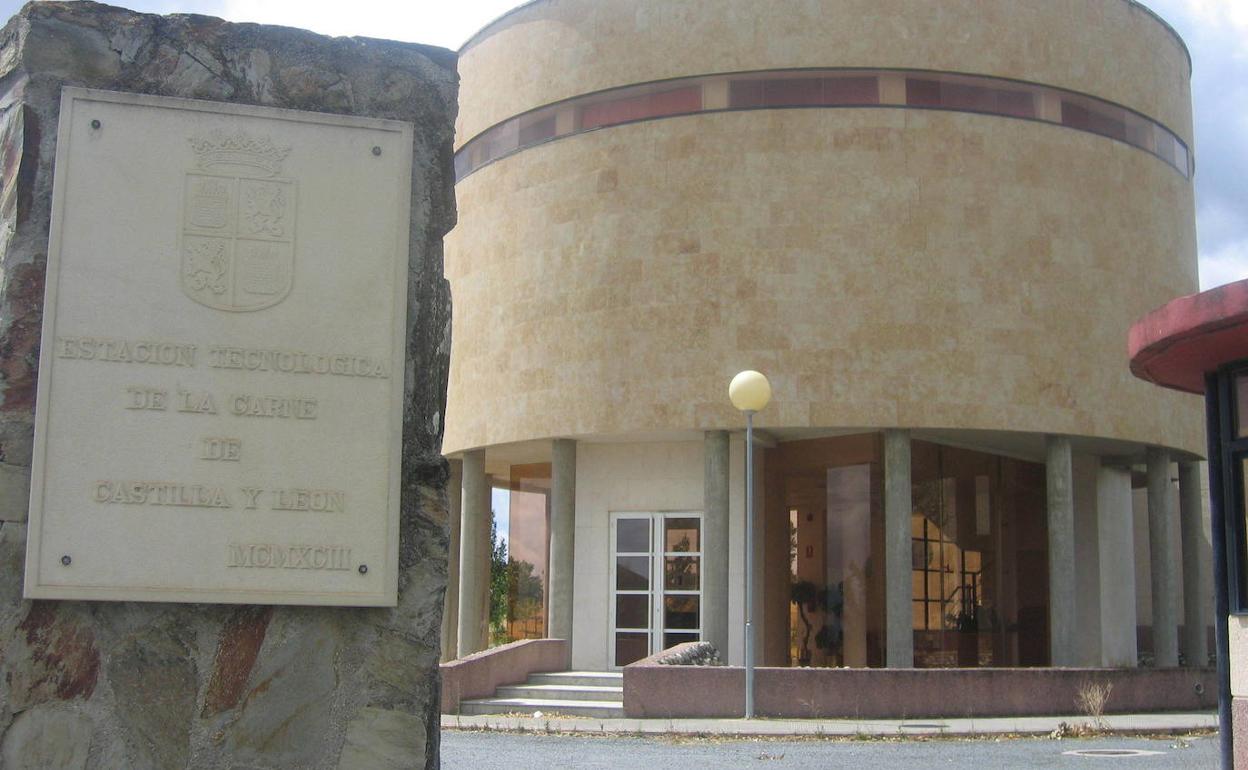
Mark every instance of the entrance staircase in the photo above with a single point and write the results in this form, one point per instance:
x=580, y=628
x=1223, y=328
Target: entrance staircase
x=567, y=693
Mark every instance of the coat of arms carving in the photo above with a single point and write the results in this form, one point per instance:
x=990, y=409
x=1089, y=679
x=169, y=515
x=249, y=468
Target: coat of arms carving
x=238, y=224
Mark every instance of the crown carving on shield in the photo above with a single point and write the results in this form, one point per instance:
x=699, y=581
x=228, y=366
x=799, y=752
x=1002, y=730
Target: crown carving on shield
x=219, y=150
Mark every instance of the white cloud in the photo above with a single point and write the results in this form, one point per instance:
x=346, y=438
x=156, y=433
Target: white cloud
x=422, y=21
x=1216, y=31
x=1220, y=13
x=1225, y=265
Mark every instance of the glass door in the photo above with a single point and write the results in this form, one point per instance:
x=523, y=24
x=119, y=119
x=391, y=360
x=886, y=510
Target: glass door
x=656, y=583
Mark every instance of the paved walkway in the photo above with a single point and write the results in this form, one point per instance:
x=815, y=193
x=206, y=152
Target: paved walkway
x=512, y=751
x=1121, y=723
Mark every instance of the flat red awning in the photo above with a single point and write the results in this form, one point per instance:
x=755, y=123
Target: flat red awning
x=1177, y=344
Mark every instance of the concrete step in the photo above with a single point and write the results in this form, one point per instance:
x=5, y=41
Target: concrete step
x=580, y=679
x=568, y=692
x=526, y=706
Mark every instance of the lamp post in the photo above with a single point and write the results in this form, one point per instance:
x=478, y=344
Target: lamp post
x=749, y=392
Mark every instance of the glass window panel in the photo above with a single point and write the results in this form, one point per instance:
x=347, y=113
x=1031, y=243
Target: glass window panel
x=537, y=131
x=676, y=102
x=918, y=610
x=1087, y=115
x=916, y=583
x=1241, y=401
x=1020, y=104
x=1164, y=145
x=792, y=92
x=983, y=508
x=963, y=97
x=949, y=587
x=922, y=92
x=671, y=640
x=632, y=611
x=864, y=90
x=683, y=535
x=632, y=536
x=1139, y=131
x=1181, y=159
x=631, y=647
x=681, y=612
x=744, y=94
x=632, y=573
x=681, y=573
x=972, y=561
x=527, y=551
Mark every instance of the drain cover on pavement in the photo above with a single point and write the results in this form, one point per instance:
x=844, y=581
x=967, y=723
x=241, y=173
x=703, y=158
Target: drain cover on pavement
x=1113, y=753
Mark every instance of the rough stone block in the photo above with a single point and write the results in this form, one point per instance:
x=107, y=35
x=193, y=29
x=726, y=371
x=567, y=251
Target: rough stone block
x=383, y=740
x=150, y=685
x=14, y=492
x=47, y=738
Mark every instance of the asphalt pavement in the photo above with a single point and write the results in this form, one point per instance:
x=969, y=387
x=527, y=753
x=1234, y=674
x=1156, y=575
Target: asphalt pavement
x=485, y=750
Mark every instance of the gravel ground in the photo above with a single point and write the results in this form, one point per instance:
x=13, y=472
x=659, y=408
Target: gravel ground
x=487, y=750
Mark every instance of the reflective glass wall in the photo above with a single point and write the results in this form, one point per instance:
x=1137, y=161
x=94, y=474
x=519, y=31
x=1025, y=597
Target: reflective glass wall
x=825, y=522
x=979, y=551
x=528, y=551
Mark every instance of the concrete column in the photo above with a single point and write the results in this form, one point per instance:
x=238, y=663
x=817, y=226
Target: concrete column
x=1115, y=523
x=1087, y=562
x=1164, y=578
x=450, y=610
x=1059, y=486
x=474, y=548
x=562, y=539
x=1195, y=585
x=899, y=617
x=715, y=541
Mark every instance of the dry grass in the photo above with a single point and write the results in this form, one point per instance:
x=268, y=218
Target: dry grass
x=1091, y=699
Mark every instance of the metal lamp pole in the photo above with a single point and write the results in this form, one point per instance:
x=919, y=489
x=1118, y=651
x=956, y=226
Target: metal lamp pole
x=749, y=564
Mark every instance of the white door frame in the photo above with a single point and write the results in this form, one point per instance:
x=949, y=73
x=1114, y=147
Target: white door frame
x=656, y=591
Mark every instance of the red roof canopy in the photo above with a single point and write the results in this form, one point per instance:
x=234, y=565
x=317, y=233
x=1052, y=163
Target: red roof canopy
x=1177, y=344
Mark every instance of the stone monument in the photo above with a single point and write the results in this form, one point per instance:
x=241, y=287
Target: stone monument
x=223, y=533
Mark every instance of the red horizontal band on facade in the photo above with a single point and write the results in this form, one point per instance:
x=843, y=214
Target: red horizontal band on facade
x=826, y=88
x=1176, y=345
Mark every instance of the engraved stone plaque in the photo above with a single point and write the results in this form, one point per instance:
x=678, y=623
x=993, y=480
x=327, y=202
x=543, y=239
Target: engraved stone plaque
x=221, y=376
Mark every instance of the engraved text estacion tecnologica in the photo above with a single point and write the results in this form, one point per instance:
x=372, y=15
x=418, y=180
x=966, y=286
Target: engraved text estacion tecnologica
x=126, y=351
x=297, y=362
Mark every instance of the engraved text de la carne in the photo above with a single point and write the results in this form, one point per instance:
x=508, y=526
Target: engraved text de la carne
x=237, y=404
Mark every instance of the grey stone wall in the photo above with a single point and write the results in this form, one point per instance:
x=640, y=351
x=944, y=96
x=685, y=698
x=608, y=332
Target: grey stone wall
x=135, y=686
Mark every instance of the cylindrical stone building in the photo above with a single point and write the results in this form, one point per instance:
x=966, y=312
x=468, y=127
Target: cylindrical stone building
x=928, y=224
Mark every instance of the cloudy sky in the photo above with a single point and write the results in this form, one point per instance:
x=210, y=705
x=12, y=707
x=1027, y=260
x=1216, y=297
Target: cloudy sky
x=1215, y=30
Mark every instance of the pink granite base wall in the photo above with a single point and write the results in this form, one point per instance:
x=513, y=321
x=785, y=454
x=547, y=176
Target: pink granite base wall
x=480, y=674
x=652, y=690
x=1239, y=730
